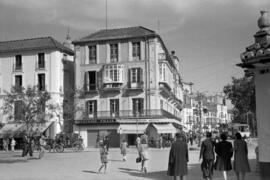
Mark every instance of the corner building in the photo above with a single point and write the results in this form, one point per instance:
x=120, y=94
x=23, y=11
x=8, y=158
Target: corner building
x=129, y=84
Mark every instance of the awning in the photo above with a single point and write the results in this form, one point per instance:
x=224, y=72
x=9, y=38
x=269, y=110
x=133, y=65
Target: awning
x=132, y=128
x=165, y=128
x=37, y=129
x=10, y=129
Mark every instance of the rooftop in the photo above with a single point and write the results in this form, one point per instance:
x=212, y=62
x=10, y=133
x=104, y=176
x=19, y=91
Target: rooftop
x=120, y=33
x=33, y=44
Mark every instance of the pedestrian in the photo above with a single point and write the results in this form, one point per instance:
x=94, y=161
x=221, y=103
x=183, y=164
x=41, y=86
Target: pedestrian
x=143, y=152
x=13, y=142
x=241, y=164
x=25, y=145
x=42, y=144
x=191, y=139
x=224, y=152
x=178, y=158
x=103, y=156
x=160, y=141
x=5, y=144
x=208, y=156
x=123, y=148
x=106, y=142
x=138, y=141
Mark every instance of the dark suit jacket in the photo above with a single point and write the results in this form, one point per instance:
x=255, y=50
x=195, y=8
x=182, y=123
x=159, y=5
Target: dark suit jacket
x=207, y=149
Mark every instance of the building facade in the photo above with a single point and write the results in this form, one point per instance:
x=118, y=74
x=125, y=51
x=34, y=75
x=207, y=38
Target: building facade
x=41, y=62
x=256, y=61
x=130, y=84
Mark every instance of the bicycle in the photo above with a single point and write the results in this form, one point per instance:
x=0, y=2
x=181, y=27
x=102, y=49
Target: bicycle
x=77, y=146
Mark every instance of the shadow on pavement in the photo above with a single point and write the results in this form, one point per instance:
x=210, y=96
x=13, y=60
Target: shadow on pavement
x=93, y=172
x=117, y=160
x=14, y=160
x=194, y=172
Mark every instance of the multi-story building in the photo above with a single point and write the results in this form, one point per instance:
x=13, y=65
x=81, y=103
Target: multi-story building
x=41, y=62
x=131, y=84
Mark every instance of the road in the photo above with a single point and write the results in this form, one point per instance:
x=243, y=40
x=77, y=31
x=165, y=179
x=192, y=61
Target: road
x=84, y=165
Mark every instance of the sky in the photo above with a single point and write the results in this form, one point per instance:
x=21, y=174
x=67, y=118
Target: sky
x=207, y=35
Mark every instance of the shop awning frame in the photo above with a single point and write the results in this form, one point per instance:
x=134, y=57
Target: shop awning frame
x=132, y=128
x=165, y=128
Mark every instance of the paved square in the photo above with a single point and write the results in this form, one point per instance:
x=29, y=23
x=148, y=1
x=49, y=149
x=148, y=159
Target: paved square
x=84, y=165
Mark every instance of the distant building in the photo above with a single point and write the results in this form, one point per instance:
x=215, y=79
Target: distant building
x=256, y=62
x=131, y=84
x=42, y=62
x=211, y=109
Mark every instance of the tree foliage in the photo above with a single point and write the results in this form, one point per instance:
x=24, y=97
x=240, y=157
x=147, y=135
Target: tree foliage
x=33, y=106
x=241, y=92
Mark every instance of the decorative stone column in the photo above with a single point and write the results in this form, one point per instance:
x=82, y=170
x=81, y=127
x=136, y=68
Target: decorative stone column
x=256, y=62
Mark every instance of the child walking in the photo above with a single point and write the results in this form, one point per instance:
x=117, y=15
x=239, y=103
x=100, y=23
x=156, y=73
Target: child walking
x=103, y=157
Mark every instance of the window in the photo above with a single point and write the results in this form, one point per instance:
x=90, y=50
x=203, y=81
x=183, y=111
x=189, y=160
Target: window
x=113, y=74
x=91, y=108
x=92, y=54
x=90, y=80
x=114, y=107
x=18, y=80
x=137, y=104
x=136, y=50
x=41, y=82
x=135, y=75
x=18, y=110
x=114, y=52
x=18, y=62
x=41, y=60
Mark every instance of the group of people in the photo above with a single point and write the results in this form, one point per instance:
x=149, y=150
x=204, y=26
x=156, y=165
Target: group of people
x=29, y=144
x=9, y=142
x=141, y=145
x=214, y=156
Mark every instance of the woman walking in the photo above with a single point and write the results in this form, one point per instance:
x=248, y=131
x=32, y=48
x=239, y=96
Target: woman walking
x=103, y=157
x=241, y=164
x=123, y=148
x=178, y=158
x=224, y=152
x=143, y=152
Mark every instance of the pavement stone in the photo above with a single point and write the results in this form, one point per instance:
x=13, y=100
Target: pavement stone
x=84, y=165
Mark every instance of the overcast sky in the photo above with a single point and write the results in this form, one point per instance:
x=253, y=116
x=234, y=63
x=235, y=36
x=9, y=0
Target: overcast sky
x=207, y=35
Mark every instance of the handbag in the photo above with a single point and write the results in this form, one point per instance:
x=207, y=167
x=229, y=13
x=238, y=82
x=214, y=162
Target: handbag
x=138, y=159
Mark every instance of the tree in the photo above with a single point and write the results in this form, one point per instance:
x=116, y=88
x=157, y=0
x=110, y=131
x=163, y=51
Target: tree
x=241, y=92
x=28, y=106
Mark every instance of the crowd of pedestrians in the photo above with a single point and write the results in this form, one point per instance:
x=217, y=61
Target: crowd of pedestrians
x=224, y=152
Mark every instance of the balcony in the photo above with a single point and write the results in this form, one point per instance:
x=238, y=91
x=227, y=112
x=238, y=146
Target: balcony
x=135, y=86
x=126, y=114
x=165, y=89
x=111, y=87
x=91, y=88
x=17, y=68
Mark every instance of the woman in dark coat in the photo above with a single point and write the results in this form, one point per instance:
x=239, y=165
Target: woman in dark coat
x=224, y=152
x=241, y=164
x=178, y=158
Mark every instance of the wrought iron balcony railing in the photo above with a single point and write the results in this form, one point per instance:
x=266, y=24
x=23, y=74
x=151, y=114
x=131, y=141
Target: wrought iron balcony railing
x=154, y=113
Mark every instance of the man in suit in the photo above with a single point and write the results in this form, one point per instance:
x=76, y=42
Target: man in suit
x=208, y=156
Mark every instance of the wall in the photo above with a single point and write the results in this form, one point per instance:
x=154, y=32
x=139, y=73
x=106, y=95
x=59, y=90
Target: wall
x=262, y=107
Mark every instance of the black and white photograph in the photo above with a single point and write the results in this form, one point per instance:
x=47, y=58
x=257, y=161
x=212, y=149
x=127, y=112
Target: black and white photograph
x=134, y=89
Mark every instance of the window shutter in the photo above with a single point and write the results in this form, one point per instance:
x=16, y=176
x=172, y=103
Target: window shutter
x=95, y=107
x=129, y=76
x=86, y=81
